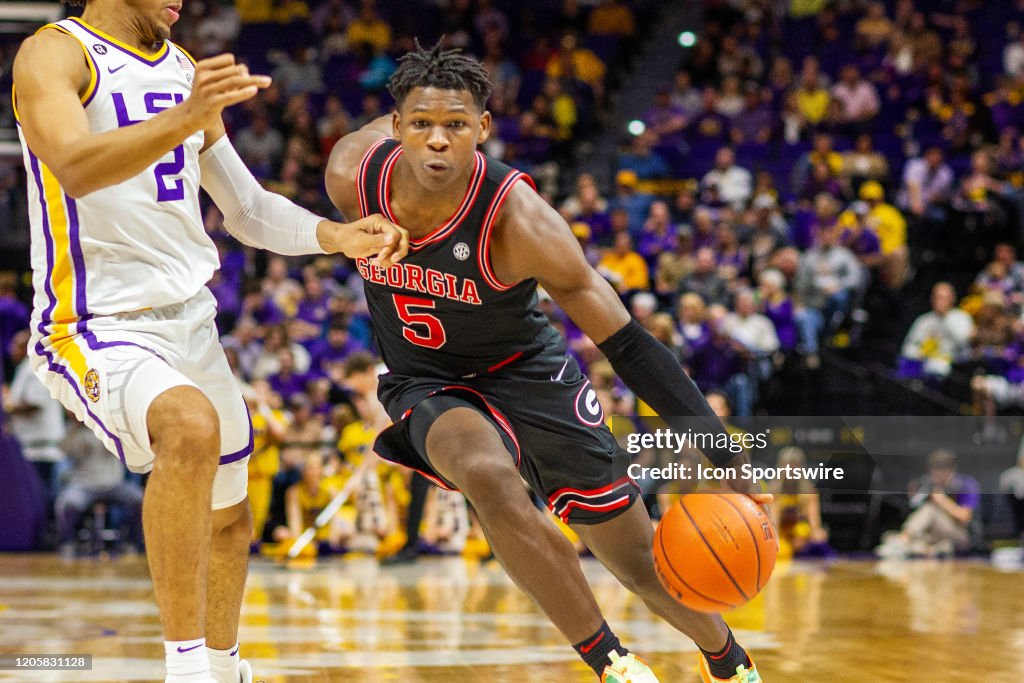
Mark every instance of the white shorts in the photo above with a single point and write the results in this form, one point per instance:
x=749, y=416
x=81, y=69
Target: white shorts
x=107, y=370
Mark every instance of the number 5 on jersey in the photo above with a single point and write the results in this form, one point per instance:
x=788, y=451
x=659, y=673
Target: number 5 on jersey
x=421, y=329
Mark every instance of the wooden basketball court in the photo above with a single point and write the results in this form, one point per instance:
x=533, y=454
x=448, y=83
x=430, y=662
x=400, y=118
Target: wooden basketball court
x=455, y=621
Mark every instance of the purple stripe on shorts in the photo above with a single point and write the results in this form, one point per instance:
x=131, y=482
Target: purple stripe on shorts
x=147, y=62
x=238, y=455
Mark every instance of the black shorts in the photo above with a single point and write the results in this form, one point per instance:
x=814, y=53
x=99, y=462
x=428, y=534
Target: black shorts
x=548, y=415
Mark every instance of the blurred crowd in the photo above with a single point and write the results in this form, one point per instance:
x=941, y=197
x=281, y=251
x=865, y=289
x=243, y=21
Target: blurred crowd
x=805, y=159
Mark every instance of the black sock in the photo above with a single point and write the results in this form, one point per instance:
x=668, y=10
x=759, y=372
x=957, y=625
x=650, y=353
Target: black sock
x=723, y=663
x=595, y=649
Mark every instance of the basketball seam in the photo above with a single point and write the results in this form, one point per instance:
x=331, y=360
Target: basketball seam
x=753, y=537
x=712, y=550
x=661, y=540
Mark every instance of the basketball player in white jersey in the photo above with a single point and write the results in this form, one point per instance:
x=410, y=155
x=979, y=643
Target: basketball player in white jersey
x=120, y=127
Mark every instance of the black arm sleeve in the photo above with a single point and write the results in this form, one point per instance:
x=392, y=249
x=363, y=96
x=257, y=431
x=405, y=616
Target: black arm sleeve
x=649, y=369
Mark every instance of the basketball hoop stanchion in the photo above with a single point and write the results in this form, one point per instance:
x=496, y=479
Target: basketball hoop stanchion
x=325, y=516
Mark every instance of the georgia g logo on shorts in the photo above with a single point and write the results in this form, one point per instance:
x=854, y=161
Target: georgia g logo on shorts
x=588, y=408
x=92, y=385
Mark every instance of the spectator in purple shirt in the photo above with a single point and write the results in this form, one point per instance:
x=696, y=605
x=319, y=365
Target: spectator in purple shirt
x=693, y=321
x=659, y=234
x=335, y=348
x=859, y=238
x=704, y=234
x=666, y=121
x=708, y=124
x=778, y=307
x=925, y=194
x=753, y=125
x=943, y=521
x=720, y=363
x=13, y=313
x=600, y=222
x=287, y=382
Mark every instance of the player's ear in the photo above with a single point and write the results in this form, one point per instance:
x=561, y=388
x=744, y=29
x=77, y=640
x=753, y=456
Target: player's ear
x=485, y=127
x=395, y=121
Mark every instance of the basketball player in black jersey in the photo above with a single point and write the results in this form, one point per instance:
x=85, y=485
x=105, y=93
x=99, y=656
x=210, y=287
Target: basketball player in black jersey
x=479, y=386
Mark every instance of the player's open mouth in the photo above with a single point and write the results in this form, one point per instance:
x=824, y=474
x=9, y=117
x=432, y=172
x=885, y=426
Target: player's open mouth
x=436, y=167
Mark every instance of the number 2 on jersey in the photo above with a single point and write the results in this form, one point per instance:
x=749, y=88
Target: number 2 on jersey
x=421, y=329
x=169, y=187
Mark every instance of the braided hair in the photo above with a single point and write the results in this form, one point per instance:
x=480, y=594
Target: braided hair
x=439, y=68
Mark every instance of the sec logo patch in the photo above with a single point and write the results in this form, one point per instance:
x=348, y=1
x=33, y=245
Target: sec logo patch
x=92, y=385
x=461, y=251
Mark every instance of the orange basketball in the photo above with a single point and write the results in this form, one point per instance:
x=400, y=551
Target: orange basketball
x=714, y=551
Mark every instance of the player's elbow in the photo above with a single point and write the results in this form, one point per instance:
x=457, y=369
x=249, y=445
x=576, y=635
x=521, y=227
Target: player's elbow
x=75, y=181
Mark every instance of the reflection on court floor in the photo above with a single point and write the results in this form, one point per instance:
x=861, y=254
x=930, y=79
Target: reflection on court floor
x=451, y=620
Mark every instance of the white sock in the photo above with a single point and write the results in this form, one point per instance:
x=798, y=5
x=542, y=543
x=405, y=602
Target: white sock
x=224, y=664
x=187, y=661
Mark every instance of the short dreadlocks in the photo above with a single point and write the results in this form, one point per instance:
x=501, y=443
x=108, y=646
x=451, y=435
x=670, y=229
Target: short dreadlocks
x=439, y=68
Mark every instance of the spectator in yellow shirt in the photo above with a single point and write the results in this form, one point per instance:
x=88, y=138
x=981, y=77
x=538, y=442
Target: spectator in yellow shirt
x=624, y=268
x=269, y=425
x=573, y=61
x=891, y=227
x=611, y=18
x=812, y=100
x=369, y=29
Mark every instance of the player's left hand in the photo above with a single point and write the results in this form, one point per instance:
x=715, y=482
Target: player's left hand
x=373, y=236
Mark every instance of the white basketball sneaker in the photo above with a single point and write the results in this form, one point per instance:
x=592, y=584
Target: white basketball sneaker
x=244, y=672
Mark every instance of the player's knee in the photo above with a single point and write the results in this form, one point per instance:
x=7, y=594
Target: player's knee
x=184, y=428
x=492, y=482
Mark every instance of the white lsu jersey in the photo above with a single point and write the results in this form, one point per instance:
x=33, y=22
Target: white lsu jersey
x=135, y=245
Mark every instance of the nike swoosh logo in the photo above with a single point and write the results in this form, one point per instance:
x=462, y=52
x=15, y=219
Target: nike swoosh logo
x=188, y=649
x=233, y=652
x=561, y=372
x=111, y=69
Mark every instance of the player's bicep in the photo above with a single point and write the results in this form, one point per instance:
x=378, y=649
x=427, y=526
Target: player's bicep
x=49, y=74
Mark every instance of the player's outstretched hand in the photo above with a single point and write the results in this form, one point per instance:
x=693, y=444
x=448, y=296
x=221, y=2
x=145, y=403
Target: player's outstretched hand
x=219, y=83
x=746, y=486
x=371, y=236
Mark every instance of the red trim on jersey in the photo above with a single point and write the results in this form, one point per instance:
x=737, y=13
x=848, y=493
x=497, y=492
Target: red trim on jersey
x=505, y=362
x=476, y=181
x=384, y=183
x=364, y=207
x=496, y=414
x=483, y=255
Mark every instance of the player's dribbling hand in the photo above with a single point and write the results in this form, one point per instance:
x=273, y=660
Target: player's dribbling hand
x=373, y=236
x=219, y=83
x=747, y=487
